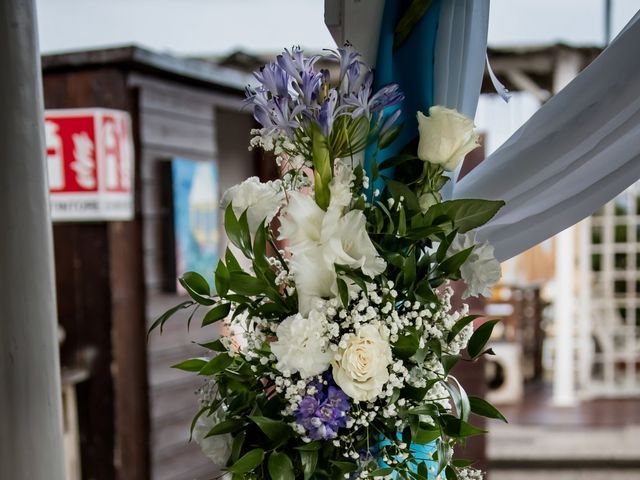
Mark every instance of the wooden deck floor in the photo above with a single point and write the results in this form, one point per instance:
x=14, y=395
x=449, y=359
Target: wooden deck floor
x=538, y=409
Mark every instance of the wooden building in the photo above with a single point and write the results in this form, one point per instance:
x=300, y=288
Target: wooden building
x=113, y=277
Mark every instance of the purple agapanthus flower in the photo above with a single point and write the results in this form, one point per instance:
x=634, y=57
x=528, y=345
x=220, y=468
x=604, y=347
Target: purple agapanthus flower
x=324, y=412
x=293, y=94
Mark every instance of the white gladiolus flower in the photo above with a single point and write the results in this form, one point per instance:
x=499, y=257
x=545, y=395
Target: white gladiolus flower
x=349, y=244
x=362, y=370
x=481, y=270
x=319, y=240
x=260, y=200
x=301, y=346
x=216, y=447
x=446, y=136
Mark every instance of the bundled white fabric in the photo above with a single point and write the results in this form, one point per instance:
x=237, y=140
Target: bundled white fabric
x=580, y=150
x=460, y=52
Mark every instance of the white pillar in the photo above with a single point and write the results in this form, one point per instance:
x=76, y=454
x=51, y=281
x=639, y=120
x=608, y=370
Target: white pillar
x=564, y=374
x=564, y=368
x=30, y=404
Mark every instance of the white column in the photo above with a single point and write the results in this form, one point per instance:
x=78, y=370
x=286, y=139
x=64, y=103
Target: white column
x=563, y=308
x=30, y=404
x=564, y=374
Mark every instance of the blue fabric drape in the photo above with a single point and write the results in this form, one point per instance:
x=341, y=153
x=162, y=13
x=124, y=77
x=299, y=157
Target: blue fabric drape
x=411, y=66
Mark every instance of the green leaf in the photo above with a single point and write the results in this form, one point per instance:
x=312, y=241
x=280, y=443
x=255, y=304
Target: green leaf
x=345, y=467
x=232, y=262
x=226, y=426
x=195, y=418
x=459, y=397
x=409, y=268
x=448, y=362
x=407, y=345
x=236, y=447
x=397, y=161
x=399, y=189
x=480, y=338
x=450, y=473
x=160, y=321
x=409, y=20
x=245, y=284
x=426, y=434
x=389, y=136
x=444, y=455
x=479, y=406
x=232, y=228
x=216, y=313
x=280, y=466
x=215, y=346
x=457, y=428
x=190, y=365
x=381, y=472
x=461, y=463
x=248, y=462
x=466, y=214
x=216, y=364
x=309, y=461
x=222, y=279
x=459, y=325
x=245, y=234
x=260, y=249
x=343, y=291
x=424, y=292
x=452, y=264
x=402, y=222
x=274, y=429
x=197, y=288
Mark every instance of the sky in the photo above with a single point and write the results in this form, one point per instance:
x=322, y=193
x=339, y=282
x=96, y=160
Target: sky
x=216, y=27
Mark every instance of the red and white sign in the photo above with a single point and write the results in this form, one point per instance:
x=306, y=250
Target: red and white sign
x=90, y=162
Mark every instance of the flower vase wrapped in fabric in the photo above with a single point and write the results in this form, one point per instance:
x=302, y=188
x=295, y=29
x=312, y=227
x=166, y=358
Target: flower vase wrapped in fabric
x=342, y=333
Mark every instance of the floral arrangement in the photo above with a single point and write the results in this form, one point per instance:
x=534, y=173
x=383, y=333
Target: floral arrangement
x=335, y=297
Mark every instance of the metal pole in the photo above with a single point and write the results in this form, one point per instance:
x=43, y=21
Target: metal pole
x=30, y=406
x=607, y=22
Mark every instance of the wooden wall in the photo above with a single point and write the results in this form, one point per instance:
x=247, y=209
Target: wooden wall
x=100, y=293
x=179, y=122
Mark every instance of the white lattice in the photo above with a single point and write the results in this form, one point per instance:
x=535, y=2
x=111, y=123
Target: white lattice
x=609, y=312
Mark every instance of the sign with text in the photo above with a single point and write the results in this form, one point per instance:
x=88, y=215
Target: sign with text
x=90, y=163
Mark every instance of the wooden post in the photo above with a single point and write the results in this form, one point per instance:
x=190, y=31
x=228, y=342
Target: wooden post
x=31, y=445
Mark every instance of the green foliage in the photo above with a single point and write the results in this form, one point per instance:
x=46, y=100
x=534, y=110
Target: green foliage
x=480, y=338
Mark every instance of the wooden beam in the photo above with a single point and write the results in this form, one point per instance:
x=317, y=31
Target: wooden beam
x=523, y=82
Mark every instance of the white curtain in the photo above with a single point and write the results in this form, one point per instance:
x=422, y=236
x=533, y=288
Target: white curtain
x=580, y=150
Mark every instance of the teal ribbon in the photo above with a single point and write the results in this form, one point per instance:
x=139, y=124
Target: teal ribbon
x=410, y=66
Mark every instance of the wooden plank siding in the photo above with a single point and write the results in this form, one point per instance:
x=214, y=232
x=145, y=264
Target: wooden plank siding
x=179, y=122
x=100, y=296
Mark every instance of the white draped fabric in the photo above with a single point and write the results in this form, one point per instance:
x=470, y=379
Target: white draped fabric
x=580, y=150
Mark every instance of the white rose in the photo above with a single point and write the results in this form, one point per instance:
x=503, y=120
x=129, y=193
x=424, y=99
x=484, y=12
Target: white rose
x=362, y=370
x=260, y=200
x=216, y=447
x=446, y=136
x=481, y=270
x=301, y=345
